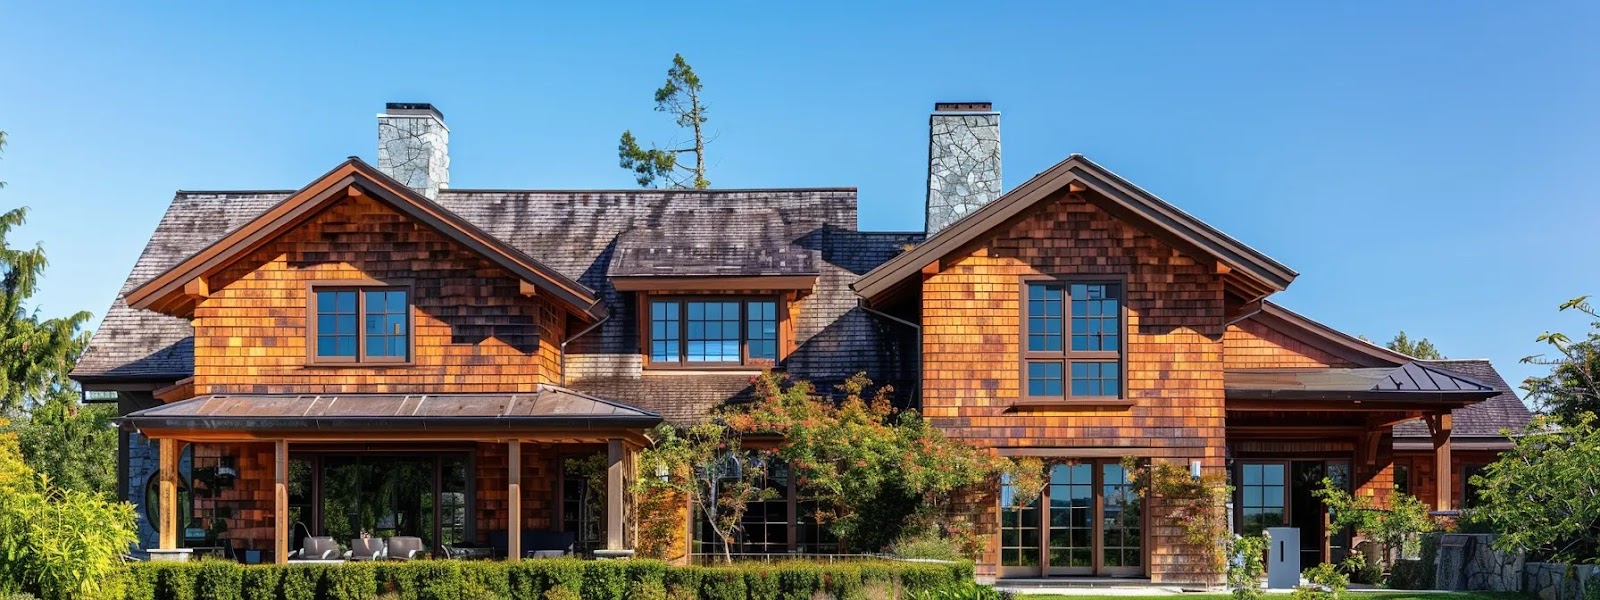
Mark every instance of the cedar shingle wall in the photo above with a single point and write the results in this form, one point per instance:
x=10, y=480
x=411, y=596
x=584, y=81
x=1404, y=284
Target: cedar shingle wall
x=472, y=329
x=1252, y=345
x=1174, y=362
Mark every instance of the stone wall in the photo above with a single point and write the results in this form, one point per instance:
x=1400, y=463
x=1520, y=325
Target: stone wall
x=1468, y=562
x=1557, y=581
x=963, y=165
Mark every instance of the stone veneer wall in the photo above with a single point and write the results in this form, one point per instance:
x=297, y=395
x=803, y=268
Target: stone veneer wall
x=1468, y=562
x=144, y=459
x=963, y=165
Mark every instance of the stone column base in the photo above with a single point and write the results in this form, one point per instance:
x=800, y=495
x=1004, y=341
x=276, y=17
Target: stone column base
x=171, y=554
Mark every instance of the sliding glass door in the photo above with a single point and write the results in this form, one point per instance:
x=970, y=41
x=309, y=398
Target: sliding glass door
x=382, y=495
x=1088, y=521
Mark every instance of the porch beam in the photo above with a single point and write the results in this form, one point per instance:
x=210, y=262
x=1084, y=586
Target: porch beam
x=168, y=469
x=574, y=436
x=1439, y=430
x=280, y=502
x=514, y=498
x=615, y=453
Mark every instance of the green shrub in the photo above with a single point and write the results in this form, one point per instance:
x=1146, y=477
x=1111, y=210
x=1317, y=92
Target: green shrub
x=929, y=547
x=141, y=582
x=967, y=590
x=219, y=580
x=799, y=581
x=352, y=581
x=684, y=582
x=56, y=543
x=261, y=582
x=723, y=583
x=301, y=582
x=1407, y=575
x=1326, y=583
x=843, y=582
x=656, y=590
x=485, y=581
x=604, y=580
x=1246, y=567
x=761, y=584
x=178, y=581
x=562, y=592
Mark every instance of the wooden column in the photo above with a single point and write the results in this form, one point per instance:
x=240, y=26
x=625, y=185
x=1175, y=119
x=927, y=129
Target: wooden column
x=615, y=490
x=514, y=500
x=168, y=527
x=1439, y=429
x=280, y=502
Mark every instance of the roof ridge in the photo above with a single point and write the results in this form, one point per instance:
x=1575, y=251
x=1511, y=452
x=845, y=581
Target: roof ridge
x=706, y=192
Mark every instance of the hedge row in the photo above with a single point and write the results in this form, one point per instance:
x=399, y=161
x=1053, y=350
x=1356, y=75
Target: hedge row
x=547, y=579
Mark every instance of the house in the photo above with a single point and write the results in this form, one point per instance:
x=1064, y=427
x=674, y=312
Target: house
x=380, y=352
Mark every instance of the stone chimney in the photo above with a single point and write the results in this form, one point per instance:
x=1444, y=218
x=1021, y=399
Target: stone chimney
x=414, y=146
x=963, y=161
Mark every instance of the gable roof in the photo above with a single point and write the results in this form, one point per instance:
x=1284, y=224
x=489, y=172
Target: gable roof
x=575, y=232
x=1504, y=410
x=1112, y=193
x=165, y=292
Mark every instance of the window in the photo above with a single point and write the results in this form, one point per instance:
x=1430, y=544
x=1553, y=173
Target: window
x=360, y=325
x=1072, y=332
x=713, y=332
x=1402, y=478
x=1261, y=495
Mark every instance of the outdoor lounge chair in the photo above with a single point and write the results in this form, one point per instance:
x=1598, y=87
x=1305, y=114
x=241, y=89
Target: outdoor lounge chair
x=546, y=543
x=404, y=548
x=316, y=548
x=365, y=549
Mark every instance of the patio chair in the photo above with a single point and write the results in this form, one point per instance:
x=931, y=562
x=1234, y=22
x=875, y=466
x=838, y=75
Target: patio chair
x=365, y=549
x=404, y=548
x=316, y=548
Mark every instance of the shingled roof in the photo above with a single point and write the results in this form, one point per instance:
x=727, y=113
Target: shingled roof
x=1485, y=419
x=588, y=236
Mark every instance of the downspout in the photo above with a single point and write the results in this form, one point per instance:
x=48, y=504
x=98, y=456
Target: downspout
x=580, y=334
x=916, y=392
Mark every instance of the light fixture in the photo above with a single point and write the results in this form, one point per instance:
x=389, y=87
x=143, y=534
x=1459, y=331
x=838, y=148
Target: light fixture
x=663, y=473
x=1194, y=469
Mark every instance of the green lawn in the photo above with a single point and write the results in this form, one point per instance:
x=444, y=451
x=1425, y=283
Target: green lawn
x=1359, y=595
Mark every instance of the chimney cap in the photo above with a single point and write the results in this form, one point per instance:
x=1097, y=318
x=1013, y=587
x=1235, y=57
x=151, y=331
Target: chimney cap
x=412, y=108
x=963, y=107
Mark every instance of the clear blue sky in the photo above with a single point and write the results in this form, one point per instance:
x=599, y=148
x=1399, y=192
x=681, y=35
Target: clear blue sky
x=1431, y=167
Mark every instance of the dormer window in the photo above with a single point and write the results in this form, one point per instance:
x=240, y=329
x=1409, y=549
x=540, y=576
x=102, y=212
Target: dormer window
x=359, y=324
x=712, y=331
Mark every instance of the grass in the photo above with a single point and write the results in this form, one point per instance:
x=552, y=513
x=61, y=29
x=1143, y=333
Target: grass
x=1384, y=595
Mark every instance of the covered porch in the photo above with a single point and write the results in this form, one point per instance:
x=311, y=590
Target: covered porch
x=469, y=475
x=1288, y=429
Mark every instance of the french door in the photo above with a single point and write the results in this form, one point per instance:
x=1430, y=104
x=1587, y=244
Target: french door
x=1088, y=520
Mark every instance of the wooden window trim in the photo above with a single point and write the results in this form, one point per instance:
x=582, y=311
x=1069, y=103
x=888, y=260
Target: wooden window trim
x=1067, y=356
x=360, y=360
x=780, y=316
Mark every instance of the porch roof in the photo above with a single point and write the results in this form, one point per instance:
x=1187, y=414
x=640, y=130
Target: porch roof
x=1410, y=382
x=549, y=407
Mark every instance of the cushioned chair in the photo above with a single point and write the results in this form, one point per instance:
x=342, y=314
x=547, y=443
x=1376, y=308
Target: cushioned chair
x=546, y=542
x=404, y=548
x=365, y=549
x=316, y=548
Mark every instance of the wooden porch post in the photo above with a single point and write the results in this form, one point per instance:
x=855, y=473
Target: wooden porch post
x=1439, y=429
x=615, y=451
x=280, y=502
x=168, y=528
x=514, y=498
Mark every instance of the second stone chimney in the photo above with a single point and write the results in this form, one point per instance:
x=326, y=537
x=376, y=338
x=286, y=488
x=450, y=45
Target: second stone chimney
x=414, y=146
x=963, y=161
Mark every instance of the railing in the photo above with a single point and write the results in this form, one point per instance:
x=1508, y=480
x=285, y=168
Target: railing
x=722, y=558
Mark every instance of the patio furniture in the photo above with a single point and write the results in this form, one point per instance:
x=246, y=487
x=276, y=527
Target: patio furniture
x=468, y=553
x=404, y=548
x=546, y=542
x=365, y=549
x=316, y=548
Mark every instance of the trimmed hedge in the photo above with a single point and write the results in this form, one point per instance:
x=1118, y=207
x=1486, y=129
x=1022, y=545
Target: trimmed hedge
x=537, y=579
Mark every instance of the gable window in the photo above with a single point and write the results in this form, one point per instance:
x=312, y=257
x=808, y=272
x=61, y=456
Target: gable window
x=360, y=325
x=1072, y=341
x=713, y=331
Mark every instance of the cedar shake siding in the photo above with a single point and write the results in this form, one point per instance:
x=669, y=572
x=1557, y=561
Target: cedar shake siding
x=1174, y=349
x=472, y=331
x=1251, y=344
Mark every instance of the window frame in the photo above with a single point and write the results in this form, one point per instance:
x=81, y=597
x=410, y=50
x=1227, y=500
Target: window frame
x=361, y=359
x=1067, y=355
x=780, y=317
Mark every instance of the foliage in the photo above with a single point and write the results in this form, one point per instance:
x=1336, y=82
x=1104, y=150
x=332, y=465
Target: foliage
x=35, y=353
x=563, y=578
x=1573, y=385
x=1391, y=527
x=1198, y=506
x=679, y=97
x=1543, y=495
x=58, y=543
x=1326, y=583
x=967, y=590
x=1409, y=575
x=928, y=547
x=1362, y=570
x=74, y=444
x=1421, y=348
x=592, y=469
x=1247, y=566
x=707, y=464
x=877, y=475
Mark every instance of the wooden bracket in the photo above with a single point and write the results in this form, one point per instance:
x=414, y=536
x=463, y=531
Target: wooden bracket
x=528, y=289
x=930, y=269
x=197, y=288
x=1077, y=187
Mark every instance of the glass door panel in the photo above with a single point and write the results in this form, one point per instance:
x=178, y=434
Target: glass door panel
x=1019, y=533
x=1121, y=523
x=1262, y=501
x=1071, y=493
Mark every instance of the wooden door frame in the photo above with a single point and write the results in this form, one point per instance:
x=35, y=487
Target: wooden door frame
x=1097, y=566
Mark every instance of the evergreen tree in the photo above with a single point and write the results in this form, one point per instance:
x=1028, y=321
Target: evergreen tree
x=679, y=97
